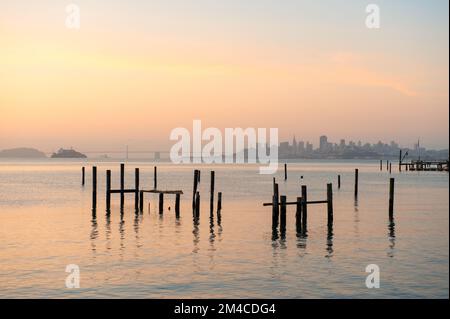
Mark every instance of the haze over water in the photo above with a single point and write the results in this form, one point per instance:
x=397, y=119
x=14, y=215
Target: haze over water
x=47, y=223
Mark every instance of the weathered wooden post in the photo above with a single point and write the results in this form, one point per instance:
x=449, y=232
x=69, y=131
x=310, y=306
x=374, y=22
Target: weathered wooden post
x=381, y=165
x=211, y=197
x=94, y=187
x=275, y=208
x=391, y=198
x=339, y=181
x=83, y=173
x=285, y=171
x=177, y=205
x=283, y=214
x=304, y=206
x=387, y=165
x=136, y=189
x=330, y=203
x=161, y=203
x=108, y=190
x=400, y=162
x=298, y=214
x=122, y=185
x=390, y=168
x=356, y=182
x=155, y=177
x=194, y=190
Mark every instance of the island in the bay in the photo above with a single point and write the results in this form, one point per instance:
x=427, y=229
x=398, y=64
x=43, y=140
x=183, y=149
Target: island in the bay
x=22, y=152
x=68, y=153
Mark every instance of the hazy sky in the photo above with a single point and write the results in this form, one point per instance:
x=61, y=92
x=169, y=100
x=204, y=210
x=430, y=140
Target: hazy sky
x=137, y=69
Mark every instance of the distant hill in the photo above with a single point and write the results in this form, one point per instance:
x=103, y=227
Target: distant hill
x=22, y=152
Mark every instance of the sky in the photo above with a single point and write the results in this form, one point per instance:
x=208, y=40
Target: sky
x=135, y=70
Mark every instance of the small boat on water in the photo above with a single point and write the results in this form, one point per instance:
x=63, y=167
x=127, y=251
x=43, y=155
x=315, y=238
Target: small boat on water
x=64, y=153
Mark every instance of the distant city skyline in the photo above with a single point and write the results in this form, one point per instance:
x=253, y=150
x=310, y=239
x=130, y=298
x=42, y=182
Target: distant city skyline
x=354, y=149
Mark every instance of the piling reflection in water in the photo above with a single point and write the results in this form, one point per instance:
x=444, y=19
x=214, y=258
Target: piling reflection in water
x=391, y=237
x=329, y=247
x=302, y=235
x=212, y=235
x=94, y=234
x=196, y=233
x=122, y=235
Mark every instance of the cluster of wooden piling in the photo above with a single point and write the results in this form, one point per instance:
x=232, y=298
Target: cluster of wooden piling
x=279, y=207
x=137, y=191
x=279, y=202
x=196, y=196
x=416, y=165
x=388, y=166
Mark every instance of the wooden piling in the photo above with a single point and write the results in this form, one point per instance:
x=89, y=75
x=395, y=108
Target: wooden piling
x=161, y=203
x=400, y=162
x=155, y=177
x=177, y=205
x=136, y=189
x=387, y=165
x=304, y=205
x=339, y=181
x=211, y=197
x=275, y=207
x=194, y=190
x=356, y=182
x=391, y=198
x=83, y=173
x=330, y=203
x=285, y=171
x=298, y=214
x=283, y=214
x=381, y=165
x=94, y=187
x=390, y=168
x=122, y=185
x=108, y=190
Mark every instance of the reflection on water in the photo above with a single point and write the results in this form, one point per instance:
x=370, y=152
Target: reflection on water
x=356, y=216
x=152, y=255
x=391, y=237
x=137, y=220
x=212, y=236
x=94, y=234
x=329, y=241
x=122, y=235
x=301, y=233
x=196, y=233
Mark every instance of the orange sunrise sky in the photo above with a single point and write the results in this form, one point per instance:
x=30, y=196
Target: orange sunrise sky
x=137, y=69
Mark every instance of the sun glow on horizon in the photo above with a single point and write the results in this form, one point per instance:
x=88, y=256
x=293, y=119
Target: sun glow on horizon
x=128, y=76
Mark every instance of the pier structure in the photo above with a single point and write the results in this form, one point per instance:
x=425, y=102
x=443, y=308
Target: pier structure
x=139, y=192
x=421, y=165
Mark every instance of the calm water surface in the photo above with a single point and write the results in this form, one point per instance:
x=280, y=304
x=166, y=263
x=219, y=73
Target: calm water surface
x=46, y=223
